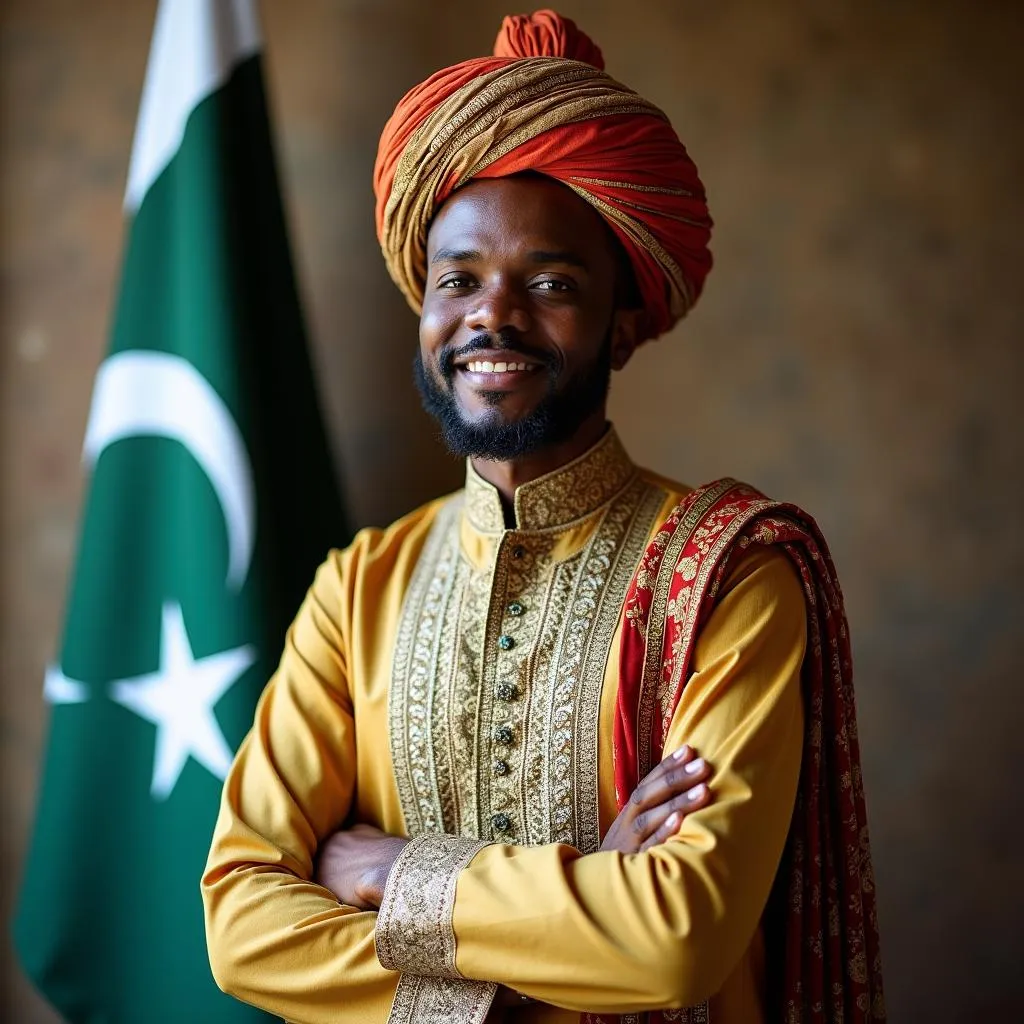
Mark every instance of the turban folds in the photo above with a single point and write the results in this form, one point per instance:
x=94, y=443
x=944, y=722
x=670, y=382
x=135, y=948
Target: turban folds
x=543, y=103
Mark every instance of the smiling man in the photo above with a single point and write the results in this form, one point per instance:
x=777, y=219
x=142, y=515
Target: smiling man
x=577, y=742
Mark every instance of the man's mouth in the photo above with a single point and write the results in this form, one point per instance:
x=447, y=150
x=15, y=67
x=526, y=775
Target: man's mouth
x=501, y=371
x=486, y=366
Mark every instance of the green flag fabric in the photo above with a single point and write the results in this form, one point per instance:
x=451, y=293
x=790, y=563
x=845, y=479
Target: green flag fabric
x=211, y=502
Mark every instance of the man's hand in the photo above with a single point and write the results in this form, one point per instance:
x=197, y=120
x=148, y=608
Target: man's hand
x=355, y=863
x=660, y=802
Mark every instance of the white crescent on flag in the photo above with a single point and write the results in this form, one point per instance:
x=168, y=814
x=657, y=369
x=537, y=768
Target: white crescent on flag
x=155, y=394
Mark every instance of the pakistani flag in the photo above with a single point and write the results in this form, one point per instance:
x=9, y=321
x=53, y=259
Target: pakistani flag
x=211, y=503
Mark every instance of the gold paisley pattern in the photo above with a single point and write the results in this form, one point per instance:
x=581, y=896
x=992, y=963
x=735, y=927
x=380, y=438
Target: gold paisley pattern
x=496, y=683
x=658, y=578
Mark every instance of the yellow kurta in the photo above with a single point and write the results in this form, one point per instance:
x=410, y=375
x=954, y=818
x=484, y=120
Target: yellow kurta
x=451, y=676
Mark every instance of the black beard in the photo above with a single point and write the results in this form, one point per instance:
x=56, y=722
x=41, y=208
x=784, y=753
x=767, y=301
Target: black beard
x=555, y=418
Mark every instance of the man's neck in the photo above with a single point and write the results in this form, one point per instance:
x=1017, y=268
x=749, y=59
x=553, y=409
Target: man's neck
x=509, y=475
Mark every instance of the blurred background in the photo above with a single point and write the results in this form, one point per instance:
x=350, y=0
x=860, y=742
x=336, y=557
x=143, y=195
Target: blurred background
x=857, y=351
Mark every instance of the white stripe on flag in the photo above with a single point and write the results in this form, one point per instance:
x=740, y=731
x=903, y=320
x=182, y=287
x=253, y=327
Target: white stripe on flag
x=196, y=44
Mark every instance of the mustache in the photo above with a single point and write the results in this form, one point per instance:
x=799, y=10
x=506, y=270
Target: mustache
x=485, y=342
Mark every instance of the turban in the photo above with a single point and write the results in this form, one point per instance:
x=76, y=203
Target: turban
x=543, y=103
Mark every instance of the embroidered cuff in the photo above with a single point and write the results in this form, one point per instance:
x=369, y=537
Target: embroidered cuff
x=414, y=927
x=441, y=1001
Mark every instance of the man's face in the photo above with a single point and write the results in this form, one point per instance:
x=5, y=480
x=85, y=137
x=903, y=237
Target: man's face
x=519, y=320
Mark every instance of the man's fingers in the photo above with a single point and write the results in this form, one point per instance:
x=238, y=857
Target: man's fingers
x=682, y=756
x=664, y=821
x=671, y=778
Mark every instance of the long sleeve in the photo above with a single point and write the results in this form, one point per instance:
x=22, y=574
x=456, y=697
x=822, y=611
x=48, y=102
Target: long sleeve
x=276, y=939
x=663, y=928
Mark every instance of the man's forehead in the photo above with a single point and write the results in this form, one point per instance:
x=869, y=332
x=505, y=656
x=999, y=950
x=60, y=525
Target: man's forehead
x=532, y=213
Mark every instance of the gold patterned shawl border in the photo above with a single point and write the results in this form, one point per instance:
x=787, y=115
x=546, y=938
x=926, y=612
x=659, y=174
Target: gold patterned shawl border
x=653, y=653
x=701, y=1013
x=595, y=660
x=441, y=1001
x=414, y=932
x=707, y=566
x=473, y=127
x=414, y=768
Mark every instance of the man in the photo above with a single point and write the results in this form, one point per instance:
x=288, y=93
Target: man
x=439, y=813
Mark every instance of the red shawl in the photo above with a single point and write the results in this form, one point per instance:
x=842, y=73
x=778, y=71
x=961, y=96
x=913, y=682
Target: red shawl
x=821, y=929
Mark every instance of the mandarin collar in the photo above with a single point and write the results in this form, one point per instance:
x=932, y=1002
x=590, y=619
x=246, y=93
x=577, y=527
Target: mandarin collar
x=556, y=499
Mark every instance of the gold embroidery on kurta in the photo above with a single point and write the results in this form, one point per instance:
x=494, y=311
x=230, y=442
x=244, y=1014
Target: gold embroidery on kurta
x=494, y=716
x=417, y=662
x=499, y=666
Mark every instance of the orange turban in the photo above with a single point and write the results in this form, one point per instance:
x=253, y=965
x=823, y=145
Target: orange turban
x=543, y=103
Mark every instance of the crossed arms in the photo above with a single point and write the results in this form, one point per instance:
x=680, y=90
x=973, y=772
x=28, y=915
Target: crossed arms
x=608, y=932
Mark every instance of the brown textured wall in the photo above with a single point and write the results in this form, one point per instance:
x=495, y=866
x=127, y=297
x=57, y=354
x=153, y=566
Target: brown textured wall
x=857, y=351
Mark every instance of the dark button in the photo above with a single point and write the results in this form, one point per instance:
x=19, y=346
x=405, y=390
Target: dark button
x=501, y=767
x=507, y=691
x=502, y=823
x=506, y=643
x=518, y=551
x=516, y=609
x=503, y=734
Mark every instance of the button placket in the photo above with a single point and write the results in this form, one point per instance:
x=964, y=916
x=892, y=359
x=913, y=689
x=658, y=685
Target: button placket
x=510, y=647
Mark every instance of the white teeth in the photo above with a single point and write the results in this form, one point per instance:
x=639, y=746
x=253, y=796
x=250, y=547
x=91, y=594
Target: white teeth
x=483, y=366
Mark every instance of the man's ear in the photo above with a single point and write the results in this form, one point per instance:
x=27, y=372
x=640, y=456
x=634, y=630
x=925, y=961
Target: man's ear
x=625, y=334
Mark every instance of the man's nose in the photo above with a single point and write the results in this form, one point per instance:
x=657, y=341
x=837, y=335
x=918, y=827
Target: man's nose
x=499, y=308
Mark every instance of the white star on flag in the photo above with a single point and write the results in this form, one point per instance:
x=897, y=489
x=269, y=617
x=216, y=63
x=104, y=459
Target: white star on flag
x=179, y=699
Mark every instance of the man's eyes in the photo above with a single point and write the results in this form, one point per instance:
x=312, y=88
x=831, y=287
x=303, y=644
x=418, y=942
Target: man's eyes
x=546, y=284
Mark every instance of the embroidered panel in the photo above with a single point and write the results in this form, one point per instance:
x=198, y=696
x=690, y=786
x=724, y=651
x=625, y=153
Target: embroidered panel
x=496, y=695
x=417, y=663
x=496, y=686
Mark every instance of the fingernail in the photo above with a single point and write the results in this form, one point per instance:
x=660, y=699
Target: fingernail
x=697, y=792
x=682, y=752
x=672, y=822
x=694, y=766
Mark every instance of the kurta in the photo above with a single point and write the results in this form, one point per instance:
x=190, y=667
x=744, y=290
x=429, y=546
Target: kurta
x=449, y=677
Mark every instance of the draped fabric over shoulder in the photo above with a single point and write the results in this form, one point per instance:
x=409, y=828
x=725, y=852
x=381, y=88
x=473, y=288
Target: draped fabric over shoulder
x=824, y=964
x=543, y=103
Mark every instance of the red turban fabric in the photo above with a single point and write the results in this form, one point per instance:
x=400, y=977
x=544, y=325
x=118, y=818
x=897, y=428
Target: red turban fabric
x=543, y=103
